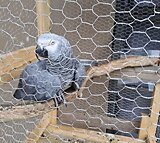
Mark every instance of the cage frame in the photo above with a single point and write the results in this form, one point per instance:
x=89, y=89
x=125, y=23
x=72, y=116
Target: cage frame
x=20, y=58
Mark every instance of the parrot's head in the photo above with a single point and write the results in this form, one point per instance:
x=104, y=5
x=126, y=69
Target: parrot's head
x=52, y=46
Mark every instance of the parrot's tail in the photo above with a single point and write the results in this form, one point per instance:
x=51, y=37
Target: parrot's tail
x=18, y=94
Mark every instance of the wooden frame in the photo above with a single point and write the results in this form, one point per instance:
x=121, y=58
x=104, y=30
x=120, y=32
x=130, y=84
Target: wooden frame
x=106, y=69
x=12, y=63
x=43, y=16
x=88, y=135
x=149, y=122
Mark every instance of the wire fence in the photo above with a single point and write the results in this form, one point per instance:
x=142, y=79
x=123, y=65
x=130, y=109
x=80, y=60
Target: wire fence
x=101, y=31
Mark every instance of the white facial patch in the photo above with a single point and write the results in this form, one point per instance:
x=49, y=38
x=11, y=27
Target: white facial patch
x=53, y=44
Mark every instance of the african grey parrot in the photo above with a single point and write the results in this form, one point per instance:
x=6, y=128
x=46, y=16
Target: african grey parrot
x=50, y=77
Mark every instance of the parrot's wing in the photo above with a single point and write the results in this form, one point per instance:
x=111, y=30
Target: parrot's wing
x=79, y=75
x=26, y=88
x=25, y=91
x=38, y=84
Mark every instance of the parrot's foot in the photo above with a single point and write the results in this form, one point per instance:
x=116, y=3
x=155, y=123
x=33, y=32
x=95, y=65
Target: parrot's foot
x=80, y=94
x=55, y=102
x=59, y=99
x=76, y=86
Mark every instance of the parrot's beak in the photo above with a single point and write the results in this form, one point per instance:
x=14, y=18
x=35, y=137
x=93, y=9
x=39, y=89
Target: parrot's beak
x=37, y=54
x=41, y=52
x=38, y=50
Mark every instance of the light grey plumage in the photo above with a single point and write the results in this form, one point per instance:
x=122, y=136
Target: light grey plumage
x=48, y=78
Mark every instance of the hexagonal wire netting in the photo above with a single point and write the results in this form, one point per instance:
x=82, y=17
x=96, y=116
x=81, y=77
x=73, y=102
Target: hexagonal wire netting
x=101, y=31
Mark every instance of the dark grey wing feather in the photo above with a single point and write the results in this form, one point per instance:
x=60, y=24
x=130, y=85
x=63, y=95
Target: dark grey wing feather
x=24, y=91
x=79, y=74
x=36, y=83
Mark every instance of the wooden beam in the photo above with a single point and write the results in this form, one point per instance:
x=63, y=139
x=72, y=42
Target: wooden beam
x=41, y=126
x=44, y=25
x=35, y=134
x=143, y=134
x=154, y=114
x=88, y=135
x=147, y=74
x=43, y=16
x=148, y=124
x=107, y=122
x=16, y=59
x=12, y=62
x=106, y=69
x=150, y=140
x=24, y=111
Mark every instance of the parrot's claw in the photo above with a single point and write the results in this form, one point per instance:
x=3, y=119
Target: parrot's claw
x=59, y=99
x=77, y=88
x=55, y=102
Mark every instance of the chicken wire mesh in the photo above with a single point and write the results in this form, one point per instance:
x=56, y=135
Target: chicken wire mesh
x=101, y=31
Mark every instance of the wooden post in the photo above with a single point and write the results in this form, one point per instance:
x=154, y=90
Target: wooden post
x=143, y=127
x=154, y=113
x=36, y=133
x=47, y=119
x=43, y=16
x=149, y=124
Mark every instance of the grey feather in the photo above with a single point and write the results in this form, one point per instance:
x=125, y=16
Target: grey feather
x=36, y=83
x=50, y=77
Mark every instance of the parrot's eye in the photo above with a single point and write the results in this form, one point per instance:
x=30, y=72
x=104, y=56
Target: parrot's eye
x=52, y=43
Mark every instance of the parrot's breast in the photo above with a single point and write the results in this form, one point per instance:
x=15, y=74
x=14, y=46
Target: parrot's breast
x=65, y=69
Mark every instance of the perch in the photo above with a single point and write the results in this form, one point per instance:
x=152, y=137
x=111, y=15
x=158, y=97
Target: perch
x=12, y=63
x=106, y=69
